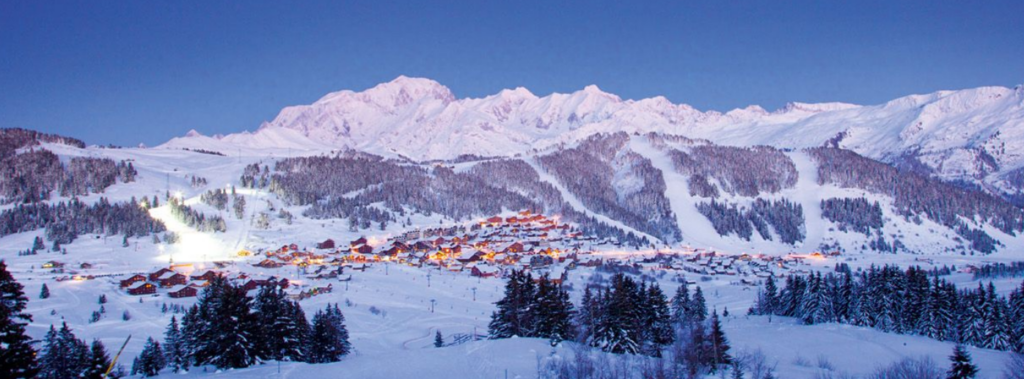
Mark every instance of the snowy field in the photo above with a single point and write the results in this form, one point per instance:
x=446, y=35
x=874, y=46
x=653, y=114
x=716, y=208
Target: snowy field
x=394, y=310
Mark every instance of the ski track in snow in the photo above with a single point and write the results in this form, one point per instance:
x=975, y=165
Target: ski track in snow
x=575, y=202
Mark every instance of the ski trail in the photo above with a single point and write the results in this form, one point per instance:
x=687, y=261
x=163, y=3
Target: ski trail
x=574, y=202
x=697, y=229
x=805, y=194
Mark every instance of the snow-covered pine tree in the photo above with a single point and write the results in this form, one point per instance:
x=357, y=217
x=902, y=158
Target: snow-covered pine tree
x=681, y=304
x=151, y=360
x=63, y=355
x=17, y=358
x=99, y=361
x=658, y=321
x=961, y=366
x=329, y=341
x=617, y=332
x=586, y=317
x=174, y=347
x=513, y=317
x=278, y=334
x=698, y=307
x=552, y=311
x=717, y=345
x=438, y=339
x=1016, y=313
x=44, y=293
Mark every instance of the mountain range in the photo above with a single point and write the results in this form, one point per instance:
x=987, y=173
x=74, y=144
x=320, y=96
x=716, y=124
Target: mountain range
x=973, y=136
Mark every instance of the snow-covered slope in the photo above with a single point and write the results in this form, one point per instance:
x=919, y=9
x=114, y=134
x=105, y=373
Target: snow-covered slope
x=974, y=134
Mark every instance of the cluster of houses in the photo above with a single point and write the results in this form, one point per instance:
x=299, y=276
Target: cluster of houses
x=179, y=285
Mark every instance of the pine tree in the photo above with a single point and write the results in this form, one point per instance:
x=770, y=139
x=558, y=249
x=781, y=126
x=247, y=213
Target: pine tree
x=587, y=316
x=698, y=308
x=99, y=361
x=618, y=330
x=280, y=333
x=103, y=299
x=961, y=366
x=37, y=244
x=329, y=341
x=552, y=312
x=45, y=292
x=658, y=321
x=174, y=347
x=717, y=345
x=17, y=358
x=151, y=360
x=63, y=355
x=681, y=305
x=513, y=317
x=438, y=339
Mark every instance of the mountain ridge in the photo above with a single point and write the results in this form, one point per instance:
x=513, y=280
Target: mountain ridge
x=970, y=135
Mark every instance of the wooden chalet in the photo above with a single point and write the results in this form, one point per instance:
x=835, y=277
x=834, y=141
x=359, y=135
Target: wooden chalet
x=159, y=273
x=360, y=241
x=327, y=244
x=132, y=280
x=142, y=288
x=182, y=291
x=363, y=249
x=172, y=279
x=207, y=276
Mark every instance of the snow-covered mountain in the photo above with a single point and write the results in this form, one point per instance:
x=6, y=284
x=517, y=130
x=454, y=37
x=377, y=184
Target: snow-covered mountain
x=974, y=135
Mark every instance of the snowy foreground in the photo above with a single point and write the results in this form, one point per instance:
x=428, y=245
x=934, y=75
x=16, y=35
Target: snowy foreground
x=397, y=341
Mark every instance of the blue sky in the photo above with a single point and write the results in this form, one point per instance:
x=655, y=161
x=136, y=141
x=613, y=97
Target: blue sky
x=129, y=72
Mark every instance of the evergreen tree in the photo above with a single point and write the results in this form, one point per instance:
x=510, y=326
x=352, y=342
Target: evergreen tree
x=151, y=360
x=99, y=361
x=717, y=345
x=329, y=341
x=221, y=329
x=552, y=311
x=280, y=334
x=45, y=292
x=658, y=321
x=63, y=355
x=438, y=339
x=17, y=358
x=961, y=366
x=681, y=304
x=618, y=330
x=513, y=317
x=587, y=316
x=175, y=353
x=698, y=308
x=37, y=244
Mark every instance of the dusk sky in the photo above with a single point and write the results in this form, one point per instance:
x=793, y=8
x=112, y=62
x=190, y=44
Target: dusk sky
x=130, y=72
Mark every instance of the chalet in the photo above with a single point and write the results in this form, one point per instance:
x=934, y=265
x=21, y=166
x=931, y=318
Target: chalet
x=132, y=280
x=494, y=220
x=471, y=256
x=53, y=264
x=85, y=266
x=422, y=246
x=142, y=288
x=182, y=291
x=269, y=263
x=207, y=276
x=156, y=275
x=514, y=247
x=327, y=244
x=172, y=279
x=438, y=241
x=485, y=272
x=541, y=261
x=360, y=241
x=363, y=249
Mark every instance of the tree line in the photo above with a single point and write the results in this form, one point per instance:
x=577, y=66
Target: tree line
x=904, y=302
x=227, y=329
x=624, y=317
